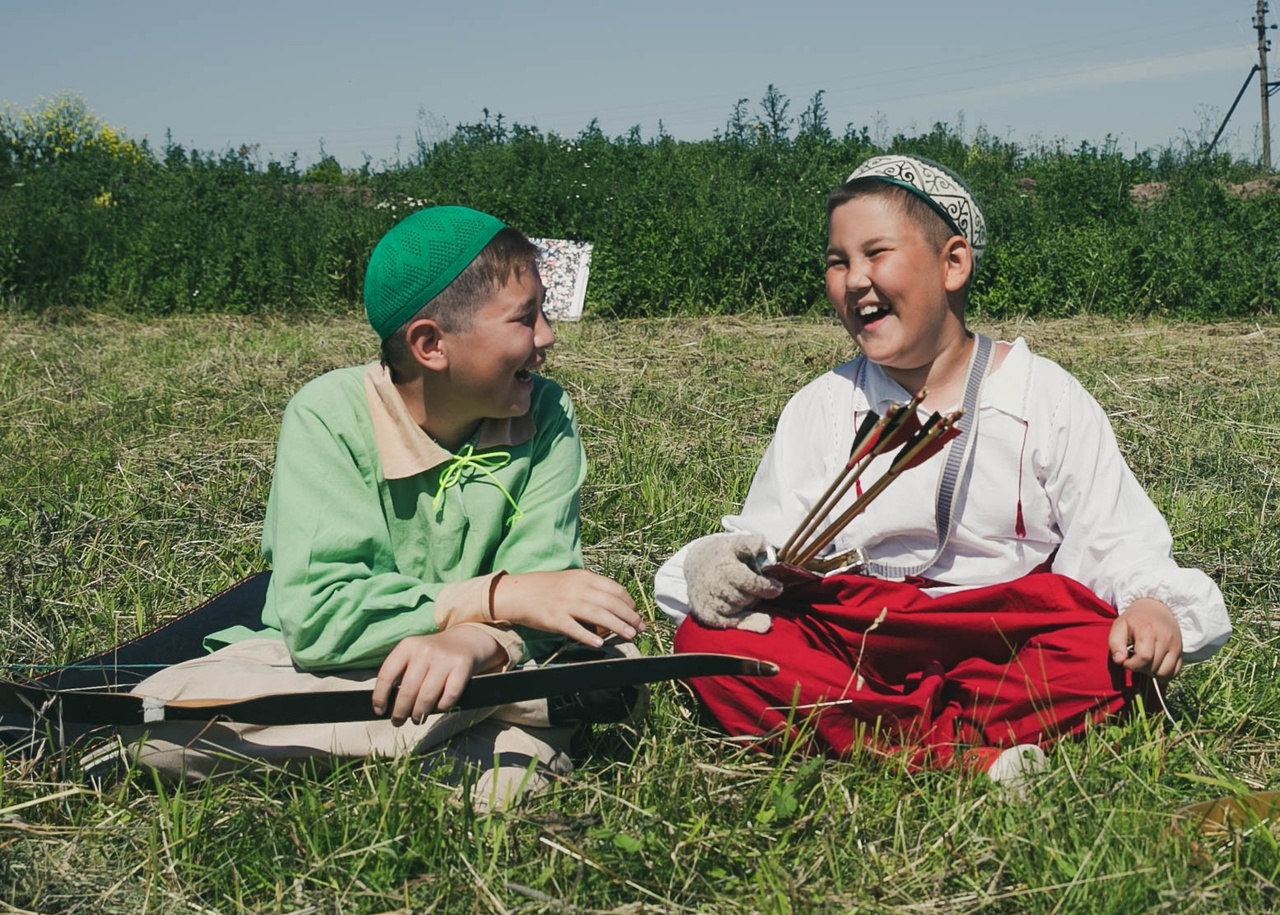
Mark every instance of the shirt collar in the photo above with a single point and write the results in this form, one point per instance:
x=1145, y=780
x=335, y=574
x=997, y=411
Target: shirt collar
x=881, y=390
x=1009, y=387
x=1005, y=390
x=404, y=449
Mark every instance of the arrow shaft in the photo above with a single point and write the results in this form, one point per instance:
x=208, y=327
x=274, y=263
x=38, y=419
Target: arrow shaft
x=833, y=530
x=866, y=433
x=924, y=444
x=886, y=433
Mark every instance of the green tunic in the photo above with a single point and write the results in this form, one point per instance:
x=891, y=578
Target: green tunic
x=358, y=560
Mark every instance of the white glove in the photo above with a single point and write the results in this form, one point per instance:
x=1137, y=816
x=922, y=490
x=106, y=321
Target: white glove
x=722, y=573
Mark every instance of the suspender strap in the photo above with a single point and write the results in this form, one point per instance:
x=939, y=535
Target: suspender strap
x=958, y=454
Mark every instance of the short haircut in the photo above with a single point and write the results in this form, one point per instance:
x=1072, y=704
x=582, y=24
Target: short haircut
x=936, y=230
x=506, y=255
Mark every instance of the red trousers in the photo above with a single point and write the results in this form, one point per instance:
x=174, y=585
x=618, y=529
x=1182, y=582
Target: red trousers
x=882, y=665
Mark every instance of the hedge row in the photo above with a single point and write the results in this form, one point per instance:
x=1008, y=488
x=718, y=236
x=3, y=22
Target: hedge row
x=723, y=225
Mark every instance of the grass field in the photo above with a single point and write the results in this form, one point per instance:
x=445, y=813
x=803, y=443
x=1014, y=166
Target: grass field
x=134, y=466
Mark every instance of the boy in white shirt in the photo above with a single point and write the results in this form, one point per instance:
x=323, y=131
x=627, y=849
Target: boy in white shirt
x=980, y=621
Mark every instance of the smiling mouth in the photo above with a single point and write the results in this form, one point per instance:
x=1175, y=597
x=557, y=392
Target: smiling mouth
x=870, y=314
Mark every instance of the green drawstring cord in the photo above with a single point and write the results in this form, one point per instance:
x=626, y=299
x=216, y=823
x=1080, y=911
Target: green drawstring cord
x=486, y=463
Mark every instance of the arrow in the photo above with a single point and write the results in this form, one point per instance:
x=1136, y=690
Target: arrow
x=875, y=436
x=936, y=431
x=868, y=431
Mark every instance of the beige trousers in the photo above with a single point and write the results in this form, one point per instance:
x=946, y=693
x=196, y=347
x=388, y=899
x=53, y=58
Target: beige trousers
x=509, y=750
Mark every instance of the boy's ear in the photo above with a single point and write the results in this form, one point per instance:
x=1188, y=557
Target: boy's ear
x=424, y=340
x=957, y=263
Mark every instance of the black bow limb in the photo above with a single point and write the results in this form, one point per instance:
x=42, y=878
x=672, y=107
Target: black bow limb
x=482, y=691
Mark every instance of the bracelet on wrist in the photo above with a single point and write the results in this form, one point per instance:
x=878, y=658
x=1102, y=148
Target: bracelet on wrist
x=493, y=590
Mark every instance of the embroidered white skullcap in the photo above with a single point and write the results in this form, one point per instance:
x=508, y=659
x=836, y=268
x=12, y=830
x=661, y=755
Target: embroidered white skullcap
x=937, y=186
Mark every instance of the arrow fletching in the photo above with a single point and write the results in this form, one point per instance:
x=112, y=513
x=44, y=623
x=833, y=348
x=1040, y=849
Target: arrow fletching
x=867, y=430
x=895, y=427
x=904, y=424
x=933, y=435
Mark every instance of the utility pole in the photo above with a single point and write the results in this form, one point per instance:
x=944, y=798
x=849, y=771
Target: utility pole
x=1264, y=45
x=1267, y=88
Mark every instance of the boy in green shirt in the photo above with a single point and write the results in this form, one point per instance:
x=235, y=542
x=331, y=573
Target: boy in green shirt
x=422, y=527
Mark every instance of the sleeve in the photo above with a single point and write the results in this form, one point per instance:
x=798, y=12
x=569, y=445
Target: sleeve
x=547, y=535
x=792, y=474
x=324, y=536
x=1114, y=539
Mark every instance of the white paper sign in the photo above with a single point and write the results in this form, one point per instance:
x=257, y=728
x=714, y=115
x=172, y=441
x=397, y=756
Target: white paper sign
x=565, y=266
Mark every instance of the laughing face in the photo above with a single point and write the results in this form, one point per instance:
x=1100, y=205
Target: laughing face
x=896, y=293
x=492, y=361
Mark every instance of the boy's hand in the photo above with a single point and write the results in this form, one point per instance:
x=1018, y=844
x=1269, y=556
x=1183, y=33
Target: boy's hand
x=724, y=581
x=432, y=670
x=1146, y=639
x=575, y=602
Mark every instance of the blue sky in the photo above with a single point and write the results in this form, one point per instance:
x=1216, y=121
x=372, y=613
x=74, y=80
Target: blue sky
x=362, y=78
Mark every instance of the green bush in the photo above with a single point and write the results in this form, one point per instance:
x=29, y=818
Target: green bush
x=731, y=224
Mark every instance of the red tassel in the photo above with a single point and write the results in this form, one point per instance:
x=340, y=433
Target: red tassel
x=1019, y=526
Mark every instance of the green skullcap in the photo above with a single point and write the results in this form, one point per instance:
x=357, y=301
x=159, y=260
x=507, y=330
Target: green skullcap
x=421, y=255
